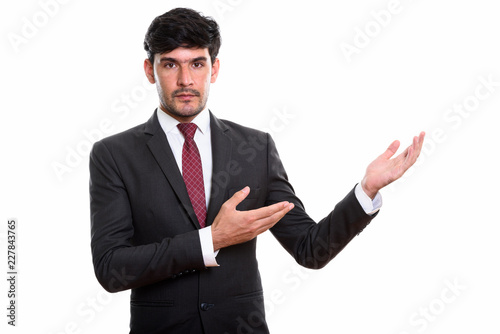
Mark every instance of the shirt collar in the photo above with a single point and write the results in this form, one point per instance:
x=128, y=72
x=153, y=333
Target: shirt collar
x=169, y=124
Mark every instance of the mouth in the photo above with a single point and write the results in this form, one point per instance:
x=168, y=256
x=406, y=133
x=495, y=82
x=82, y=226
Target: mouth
x=185, y=96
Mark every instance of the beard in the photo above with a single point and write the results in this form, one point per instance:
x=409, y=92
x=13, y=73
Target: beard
x=181, y=109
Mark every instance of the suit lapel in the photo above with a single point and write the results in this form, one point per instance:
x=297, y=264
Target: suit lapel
x=221, y=155
x=159, y=147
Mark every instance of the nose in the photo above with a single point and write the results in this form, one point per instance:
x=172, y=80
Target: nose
x=184, y=79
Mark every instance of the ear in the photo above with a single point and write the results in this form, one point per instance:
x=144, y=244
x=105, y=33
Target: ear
x=215, y=70
x=149, y=70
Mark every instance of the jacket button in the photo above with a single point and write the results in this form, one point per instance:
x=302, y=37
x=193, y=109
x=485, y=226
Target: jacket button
x=206, y=306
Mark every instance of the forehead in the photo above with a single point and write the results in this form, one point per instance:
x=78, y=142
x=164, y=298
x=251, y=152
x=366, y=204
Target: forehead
x=184, y=55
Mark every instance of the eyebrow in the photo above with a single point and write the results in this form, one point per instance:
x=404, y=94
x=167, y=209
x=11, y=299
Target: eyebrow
x=174, y=60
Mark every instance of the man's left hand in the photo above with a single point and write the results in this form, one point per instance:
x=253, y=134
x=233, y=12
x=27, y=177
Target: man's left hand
x=384, y=170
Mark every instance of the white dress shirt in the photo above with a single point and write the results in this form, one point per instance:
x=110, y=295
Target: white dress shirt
x=202, y=138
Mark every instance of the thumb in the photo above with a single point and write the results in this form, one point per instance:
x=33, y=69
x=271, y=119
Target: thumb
x=238, y=197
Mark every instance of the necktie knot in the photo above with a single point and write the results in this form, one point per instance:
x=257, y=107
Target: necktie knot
x=187, y=129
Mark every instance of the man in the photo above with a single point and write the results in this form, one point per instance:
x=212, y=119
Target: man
x=165, y=226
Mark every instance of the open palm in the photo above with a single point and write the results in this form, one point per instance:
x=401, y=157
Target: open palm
x=384, y=170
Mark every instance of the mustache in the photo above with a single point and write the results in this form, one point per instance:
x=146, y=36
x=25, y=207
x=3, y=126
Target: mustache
x=185, y=90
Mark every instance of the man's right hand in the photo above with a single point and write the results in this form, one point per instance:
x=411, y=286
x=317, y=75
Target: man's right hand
x=232, y=227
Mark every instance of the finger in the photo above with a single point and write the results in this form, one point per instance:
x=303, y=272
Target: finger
x=409, y=156
x=418, y=142
x=270, y=210
x=391, y=150
x=237, y=198
x=414, y=151
x=268, y=222
x=402, y=157
x=421, y=138
x=277, y=215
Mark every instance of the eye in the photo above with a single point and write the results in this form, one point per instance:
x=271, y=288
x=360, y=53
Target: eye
x=197, y=65
x=169, y=65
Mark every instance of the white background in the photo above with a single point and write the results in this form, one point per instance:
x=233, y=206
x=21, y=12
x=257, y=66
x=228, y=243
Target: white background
x=68, y=81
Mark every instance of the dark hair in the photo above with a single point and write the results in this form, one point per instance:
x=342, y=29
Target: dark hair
x=182, y=27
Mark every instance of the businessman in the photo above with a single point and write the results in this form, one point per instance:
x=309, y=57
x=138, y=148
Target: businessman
x=177, y=202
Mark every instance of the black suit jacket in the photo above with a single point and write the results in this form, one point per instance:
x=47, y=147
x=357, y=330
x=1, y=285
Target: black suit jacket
x=145, y=238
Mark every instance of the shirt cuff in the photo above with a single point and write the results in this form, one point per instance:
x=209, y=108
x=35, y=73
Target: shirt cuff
x=369, y=206
x=207, y=247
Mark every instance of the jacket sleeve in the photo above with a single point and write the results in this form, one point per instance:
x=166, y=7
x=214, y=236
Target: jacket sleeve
x=118, y=263
x=312, y=244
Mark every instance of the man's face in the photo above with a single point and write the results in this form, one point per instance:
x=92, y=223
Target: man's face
x=183, y=77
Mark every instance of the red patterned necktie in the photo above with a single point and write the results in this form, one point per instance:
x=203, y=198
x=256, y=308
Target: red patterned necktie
x=192, y=172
